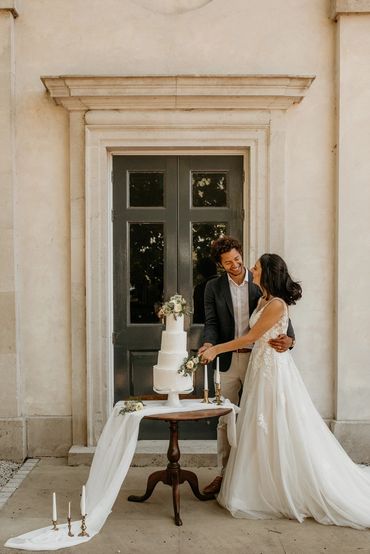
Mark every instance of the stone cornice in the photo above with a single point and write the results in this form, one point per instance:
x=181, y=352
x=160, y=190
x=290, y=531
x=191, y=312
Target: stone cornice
x=343, y=7
x=11, y=6
x=180, y=92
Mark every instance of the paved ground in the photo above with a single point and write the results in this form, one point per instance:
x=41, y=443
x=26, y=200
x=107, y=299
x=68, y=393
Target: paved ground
x=149, y=528
x=7, y=470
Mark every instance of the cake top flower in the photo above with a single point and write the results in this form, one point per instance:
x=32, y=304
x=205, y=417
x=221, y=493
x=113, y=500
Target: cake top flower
x=176, y=305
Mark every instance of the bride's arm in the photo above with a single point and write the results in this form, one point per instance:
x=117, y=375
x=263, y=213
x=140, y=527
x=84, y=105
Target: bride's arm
x=270, y=315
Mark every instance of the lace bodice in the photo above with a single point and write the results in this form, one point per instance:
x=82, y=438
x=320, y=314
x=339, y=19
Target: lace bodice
x=280, y=326
x=263, y=353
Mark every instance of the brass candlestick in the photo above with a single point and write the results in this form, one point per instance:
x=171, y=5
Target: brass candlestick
x=69, y=521
x=54, y=522
x=83, y=533
x=205, y=397
x=218, y=400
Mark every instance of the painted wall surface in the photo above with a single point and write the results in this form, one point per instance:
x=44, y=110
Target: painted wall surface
x=123, y=37
x=63, y=37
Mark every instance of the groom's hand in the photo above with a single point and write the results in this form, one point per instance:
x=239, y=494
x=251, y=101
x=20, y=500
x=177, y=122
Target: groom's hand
x=281, y=343
x=203, y=348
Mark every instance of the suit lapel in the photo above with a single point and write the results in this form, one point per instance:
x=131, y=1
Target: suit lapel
x=227, y=293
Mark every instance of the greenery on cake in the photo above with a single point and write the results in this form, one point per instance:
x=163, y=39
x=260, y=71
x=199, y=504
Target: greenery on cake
x=176, y=305
x=189, y=365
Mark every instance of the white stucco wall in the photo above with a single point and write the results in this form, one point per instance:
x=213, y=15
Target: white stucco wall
x=64, y=37
x=326, y=226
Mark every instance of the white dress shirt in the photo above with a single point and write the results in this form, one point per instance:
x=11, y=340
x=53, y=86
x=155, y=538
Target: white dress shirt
x=240, y=300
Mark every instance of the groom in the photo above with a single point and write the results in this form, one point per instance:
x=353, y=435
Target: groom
x=229, y=301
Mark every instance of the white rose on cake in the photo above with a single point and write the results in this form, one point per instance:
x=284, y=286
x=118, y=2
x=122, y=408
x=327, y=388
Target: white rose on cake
x=177, y=307
x=189, y=366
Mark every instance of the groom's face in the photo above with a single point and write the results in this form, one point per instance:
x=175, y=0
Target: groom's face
x=232, y=262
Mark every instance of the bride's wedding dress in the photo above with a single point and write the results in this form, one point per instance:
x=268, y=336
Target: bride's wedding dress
x=287, y=462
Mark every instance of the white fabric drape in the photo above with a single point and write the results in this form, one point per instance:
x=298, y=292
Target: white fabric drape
x=112, y=459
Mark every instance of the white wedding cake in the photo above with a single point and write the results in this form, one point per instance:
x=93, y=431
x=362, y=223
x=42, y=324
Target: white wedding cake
x=171, y=356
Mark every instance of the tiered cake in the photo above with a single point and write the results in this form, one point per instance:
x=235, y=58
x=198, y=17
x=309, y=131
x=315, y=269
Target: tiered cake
x=173, y=351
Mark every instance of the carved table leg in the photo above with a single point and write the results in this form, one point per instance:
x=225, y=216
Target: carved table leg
x=192, y=479
x=173, y=469
x=153, y=479
x=173, y=476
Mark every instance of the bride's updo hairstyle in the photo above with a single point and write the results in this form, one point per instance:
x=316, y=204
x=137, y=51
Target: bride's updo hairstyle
x=276, y=280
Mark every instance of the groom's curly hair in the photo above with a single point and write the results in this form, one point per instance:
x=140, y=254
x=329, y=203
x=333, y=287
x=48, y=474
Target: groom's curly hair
x=276, y=281
x=222, y=245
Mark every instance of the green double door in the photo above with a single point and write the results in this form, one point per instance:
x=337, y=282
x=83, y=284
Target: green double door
x=166, y=212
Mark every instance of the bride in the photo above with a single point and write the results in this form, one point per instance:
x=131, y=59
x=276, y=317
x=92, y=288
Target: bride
x=287, y=462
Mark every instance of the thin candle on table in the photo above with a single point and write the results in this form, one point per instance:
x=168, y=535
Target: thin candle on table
x=83, y=501
x=69, y=510
x=217, y=379
x=206, y=377
x=55, y=515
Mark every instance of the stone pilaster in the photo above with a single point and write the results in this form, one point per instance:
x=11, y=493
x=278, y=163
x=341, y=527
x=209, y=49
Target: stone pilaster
x=353, y=227
x=12, y=430
x=78, y=294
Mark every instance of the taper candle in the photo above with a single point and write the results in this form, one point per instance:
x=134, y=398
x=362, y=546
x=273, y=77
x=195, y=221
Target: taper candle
x=55, y=515
x=217, y=379
x=69, y=510
x=205, y=377
x=83, y=501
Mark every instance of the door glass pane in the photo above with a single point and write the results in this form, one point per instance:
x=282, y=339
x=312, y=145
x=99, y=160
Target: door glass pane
x=146, y=271
x=203, y=267
x=209, y=189
x=146, y=188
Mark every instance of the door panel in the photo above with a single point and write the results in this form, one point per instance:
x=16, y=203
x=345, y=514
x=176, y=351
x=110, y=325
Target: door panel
x=211, y=205
x=166, y=212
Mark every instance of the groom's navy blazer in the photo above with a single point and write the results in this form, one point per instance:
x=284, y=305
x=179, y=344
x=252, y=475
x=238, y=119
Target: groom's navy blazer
x=220, y=323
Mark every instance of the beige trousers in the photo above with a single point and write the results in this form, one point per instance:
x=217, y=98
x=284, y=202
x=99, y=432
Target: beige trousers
x=231, y=383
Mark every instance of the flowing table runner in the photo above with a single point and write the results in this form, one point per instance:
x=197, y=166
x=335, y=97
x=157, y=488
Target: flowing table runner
x=112, y=459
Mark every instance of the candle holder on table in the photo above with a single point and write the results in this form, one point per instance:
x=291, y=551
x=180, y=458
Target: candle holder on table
x=205, y=397
x=84, y=532
x=54, y=522
x=218, y=399
x=69, y=523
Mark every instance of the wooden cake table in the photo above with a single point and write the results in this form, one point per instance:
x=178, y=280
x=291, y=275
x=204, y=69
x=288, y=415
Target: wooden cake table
x=174, y=475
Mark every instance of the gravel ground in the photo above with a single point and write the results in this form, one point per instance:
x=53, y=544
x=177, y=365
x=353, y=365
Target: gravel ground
x=7, y=470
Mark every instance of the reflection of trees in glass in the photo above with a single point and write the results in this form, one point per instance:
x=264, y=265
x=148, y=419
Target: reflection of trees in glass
x=209, y=189
x=204, y=268
x=203, y=235
x=146, y=271
x=146, y=188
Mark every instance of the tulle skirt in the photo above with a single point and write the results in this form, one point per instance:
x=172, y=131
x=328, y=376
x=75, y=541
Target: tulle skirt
x=287, y=462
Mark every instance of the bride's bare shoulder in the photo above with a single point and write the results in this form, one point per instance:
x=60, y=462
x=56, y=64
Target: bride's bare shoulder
x=275, y=305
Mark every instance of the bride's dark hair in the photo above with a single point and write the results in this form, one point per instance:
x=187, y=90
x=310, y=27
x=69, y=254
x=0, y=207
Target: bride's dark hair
x=275, y=279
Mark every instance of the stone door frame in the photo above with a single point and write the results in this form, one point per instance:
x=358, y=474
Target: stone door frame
x=164, y=115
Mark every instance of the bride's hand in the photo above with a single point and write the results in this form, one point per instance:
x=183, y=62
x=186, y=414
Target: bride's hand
x=209, y=355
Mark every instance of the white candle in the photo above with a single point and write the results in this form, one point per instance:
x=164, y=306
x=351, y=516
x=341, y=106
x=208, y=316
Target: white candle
x=55, y=516
x=83, y=501
x=206, y=377
x=217, y=380
x=69, y=510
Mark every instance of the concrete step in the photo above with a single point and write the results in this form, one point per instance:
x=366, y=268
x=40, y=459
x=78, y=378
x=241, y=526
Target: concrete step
x=194, y=453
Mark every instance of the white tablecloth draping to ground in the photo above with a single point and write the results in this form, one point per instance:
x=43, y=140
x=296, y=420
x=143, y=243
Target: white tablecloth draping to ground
x=112, y=459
